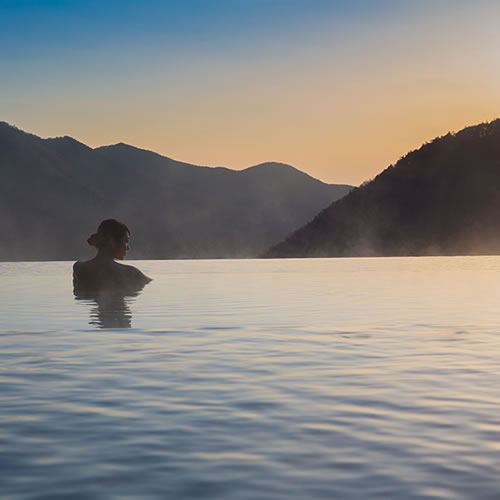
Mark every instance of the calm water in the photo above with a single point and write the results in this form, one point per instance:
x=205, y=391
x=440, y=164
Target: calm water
x=328, y=378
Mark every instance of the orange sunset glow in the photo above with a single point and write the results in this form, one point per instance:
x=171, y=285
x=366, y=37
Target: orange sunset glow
x=339, y=90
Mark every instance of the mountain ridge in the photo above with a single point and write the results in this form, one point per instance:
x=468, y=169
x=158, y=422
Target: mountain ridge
x=440, y=199
x=54, y=192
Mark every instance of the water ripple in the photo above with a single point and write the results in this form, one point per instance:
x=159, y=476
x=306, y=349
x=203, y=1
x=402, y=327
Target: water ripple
x=226, y=382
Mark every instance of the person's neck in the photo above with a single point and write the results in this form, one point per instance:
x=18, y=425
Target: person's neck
x=103, y=254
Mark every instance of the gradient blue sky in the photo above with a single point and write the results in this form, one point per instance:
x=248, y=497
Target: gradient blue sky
x=339, y=89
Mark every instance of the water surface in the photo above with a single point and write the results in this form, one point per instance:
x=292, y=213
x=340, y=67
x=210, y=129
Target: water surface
x=320, y=378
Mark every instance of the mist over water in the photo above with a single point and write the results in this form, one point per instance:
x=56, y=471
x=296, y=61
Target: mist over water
x=320, y=378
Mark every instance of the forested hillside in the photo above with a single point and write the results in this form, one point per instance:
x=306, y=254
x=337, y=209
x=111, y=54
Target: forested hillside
x=442, y=199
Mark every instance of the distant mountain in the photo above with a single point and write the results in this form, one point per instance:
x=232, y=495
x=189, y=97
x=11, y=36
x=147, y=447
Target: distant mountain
x=442, y=199
x=54, y=192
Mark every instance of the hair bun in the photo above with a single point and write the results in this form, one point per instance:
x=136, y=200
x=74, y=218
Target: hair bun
x=93, y=240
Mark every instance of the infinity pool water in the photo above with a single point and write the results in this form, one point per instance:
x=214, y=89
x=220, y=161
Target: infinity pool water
x=273, y=379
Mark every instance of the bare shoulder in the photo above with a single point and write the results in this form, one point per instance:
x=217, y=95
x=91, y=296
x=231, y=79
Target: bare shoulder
x=79, y=266
x=82, y=264
x=83, y=267
x=135, y=274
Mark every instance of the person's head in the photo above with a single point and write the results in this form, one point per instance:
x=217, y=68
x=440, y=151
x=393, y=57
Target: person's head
x=112, y=237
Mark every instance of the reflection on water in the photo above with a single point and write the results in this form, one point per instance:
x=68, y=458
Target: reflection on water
x=108, y=309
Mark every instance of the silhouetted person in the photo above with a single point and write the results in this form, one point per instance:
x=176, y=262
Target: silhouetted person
x=103, y=273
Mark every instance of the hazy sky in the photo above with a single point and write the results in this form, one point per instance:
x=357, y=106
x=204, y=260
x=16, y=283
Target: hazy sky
x=339, y=89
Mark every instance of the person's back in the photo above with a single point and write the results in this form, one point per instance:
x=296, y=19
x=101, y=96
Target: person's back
x=103, y=273
x=98, y=275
